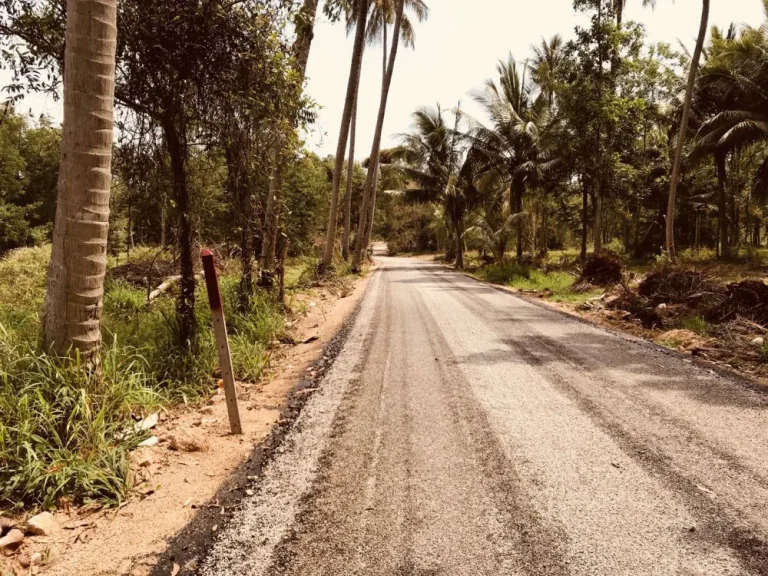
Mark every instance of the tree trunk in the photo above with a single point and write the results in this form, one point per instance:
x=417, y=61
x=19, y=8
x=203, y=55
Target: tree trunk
x=584, y=218
x=517, y=207
x=372, y=211
x=722, y=207
x=346, y=120
x=459, y=246
x=73, y=298
x=305, y=33
x=350, y=176
x=597, y=229
x=544, y=240
x=176, y=140
x=369, y=191
x=670, y=227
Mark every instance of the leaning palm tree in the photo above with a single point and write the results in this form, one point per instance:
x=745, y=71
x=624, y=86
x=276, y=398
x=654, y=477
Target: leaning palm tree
x=361, y=17
x=670, y=229
x=381, y=17
x=389, y=10
x=73, y=297
x=510, y=144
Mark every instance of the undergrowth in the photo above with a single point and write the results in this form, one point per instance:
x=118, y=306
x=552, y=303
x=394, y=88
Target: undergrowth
x=61, y=426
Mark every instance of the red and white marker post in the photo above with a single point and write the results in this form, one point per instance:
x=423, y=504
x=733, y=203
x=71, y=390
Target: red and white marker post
x=222, y=344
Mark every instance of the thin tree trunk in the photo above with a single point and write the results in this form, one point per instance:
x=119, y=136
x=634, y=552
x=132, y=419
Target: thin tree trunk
x=670, y=228
x=584, y=218
x=722, y=207
x=369, y=191
x=73, y=298
x=305, y=32
x=372, y=211
x=459, y=246
x=346, y=120
x=597, y=231
x=517, y=206
x=350, y=177
x=185, y=305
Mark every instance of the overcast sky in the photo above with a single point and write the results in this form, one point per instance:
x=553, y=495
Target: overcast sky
x=456, y=49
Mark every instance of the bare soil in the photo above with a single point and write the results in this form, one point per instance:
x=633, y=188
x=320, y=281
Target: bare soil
x=172, y=486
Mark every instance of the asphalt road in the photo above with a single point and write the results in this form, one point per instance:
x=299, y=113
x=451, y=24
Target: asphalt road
x=464, y=431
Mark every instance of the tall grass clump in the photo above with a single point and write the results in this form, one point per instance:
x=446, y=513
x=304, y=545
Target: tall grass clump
x=62, y=427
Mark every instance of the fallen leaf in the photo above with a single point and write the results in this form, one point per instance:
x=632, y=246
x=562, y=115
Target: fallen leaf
x=175, y=569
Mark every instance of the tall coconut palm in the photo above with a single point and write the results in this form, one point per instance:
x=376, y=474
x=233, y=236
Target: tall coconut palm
x=439, y=171
x=547, y=61
x=386, y=12
x=361, y=17
x=73, y=297
x=511, y=144
x=380, y=18
x=670, y=228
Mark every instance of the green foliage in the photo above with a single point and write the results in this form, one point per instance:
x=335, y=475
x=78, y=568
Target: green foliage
x=29, y=163
x=697, y=324
x=62, y=426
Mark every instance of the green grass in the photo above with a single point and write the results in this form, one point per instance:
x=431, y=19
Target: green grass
x=558, y=286
x=696, y=324
x=60, y=424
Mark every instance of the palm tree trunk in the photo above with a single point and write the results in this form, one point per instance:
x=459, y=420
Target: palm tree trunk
x=305, y=32
x=517, y=204
x=73, y=298
x=346, y=119
x=369, y=192
x=670, y=228
x=722, y=208
x=372, y=211
x=459, y=246
x=350, y=176
x=584, y=218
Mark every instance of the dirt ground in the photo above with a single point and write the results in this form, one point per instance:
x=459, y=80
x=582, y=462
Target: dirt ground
x=172, y=485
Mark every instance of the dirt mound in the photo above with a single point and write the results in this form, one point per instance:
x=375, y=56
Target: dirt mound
x=138, y=272
x=748, y=299
x=601, y=270
x=674, y=285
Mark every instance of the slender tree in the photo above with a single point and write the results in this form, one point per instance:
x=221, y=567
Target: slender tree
x=670, y=227
x=361, y=13
x=73, y=298
x=305, y=32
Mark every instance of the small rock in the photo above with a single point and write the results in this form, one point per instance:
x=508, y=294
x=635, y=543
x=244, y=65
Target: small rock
x=24, y=561
x=148, y=423
x=36, y=559
x=759, y=341
x=661, y=306
x=12, y=540
x=187, y=441
x=149, y=442
x=42, y=524
x=249, y=492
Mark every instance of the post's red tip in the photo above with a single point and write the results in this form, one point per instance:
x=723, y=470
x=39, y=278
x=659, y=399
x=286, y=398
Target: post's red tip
x=206, y=252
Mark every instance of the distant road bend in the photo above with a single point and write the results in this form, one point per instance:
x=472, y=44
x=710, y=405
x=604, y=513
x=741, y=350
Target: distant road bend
x=464, y=431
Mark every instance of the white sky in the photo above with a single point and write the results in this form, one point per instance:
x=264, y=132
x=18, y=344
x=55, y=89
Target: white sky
x=456, y=49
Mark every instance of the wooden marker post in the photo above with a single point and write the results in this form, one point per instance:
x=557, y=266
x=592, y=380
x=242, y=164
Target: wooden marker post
x=220, y=329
